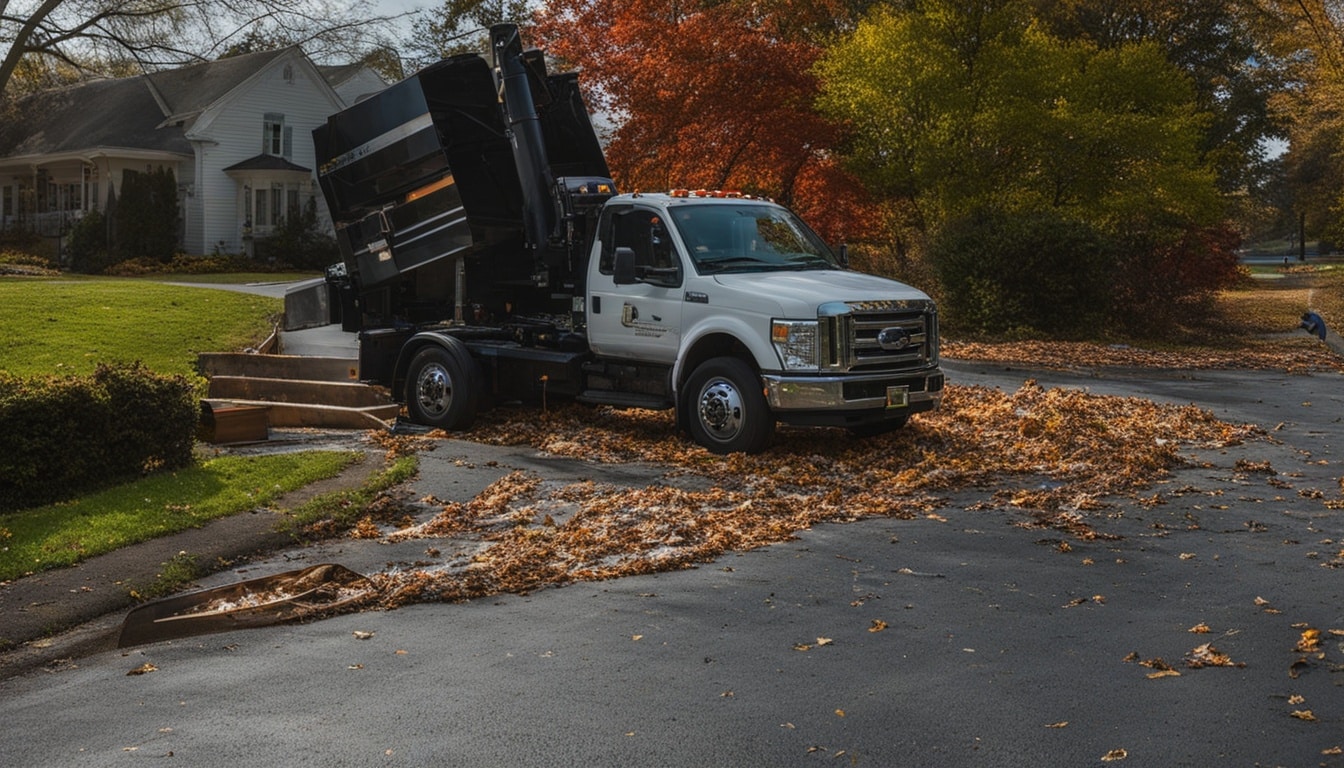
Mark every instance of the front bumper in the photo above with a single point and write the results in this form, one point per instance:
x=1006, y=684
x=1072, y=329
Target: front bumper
x=843, y=401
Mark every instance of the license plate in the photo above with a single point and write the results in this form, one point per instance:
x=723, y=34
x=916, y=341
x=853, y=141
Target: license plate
x=898, y=397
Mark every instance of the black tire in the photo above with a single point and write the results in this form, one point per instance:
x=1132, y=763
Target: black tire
x=440, y=391
x=725, y=409
x=880, y=427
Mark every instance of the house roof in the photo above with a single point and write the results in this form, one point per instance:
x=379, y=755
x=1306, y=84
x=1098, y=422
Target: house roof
x=335, y=74
x=187, y=91
x=266, y=163
x=99, y=113
x=147, y=112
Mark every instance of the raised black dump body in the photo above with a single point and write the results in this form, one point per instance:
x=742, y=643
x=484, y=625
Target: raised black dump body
x=444, y=204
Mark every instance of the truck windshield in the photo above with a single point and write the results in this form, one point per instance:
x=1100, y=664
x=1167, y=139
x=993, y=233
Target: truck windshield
x=749, y=237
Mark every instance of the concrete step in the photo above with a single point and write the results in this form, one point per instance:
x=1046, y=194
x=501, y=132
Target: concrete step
x=346, y=394
x=212, y=364
x=313, y=414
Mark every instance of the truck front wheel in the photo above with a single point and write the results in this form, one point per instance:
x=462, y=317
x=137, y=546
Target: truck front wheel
x=439, y=390
x=726, y=409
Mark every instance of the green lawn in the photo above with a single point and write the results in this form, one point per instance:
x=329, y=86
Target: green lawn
x=69, y=325
x=63, y=326
x=63, y=534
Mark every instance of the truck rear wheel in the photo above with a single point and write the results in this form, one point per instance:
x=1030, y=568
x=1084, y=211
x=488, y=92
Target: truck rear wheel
x=440, y=391
x=726, y=408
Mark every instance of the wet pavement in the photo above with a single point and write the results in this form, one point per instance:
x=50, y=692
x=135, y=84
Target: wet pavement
x=962, y=639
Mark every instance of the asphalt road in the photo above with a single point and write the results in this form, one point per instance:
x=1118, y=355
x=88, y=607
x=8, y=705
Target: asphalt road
x=998, y=648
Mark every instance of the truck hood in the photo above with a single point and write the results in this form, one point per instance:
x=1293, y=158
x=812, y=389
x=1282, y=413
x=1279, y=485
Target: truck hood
x=799, y=294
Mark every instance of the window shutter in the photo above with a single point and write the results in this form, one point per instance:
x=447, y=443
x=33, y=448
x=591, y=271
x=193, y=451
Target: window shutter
x=289, y=142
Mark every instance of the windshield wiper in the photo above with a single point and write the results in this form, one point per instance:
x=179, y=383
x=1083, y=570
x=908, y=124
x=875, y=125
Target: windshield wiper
x=725, y=262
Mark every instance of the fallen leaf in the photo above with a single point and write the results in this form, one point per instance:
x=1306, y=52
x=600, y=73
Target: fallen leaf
x=1208, y=656
x=1296, y=699
x=1200, y=629
x=1304, y=714
x=636, y=637
x=361, y=635
x=143, y=669
x=878, y=625
x=1114, y=755
x=355, y=666
x=1060, y=724
x=1295, y=669
x=1187, y=555
x=802, y=647
x=1335, y=750
x=1309, y=642
x=824, y=641
x=839, y=713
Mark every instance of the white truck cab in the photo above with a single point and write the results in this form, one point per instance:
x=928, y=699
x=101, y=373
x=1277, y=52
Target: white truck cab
x=757, y=319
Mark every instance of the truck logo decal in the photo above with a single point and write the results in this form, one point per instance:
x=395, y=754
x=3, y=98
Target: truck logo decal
x=630, y=319
x=696, y=297
x=387, y=139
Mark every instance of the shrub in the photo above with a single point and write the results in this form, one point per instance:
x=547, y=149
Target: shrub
x=60, y=437
x=88, y=244
x=146, y=216
x=1012, y=273
x=299, y=242
x=1169, y=275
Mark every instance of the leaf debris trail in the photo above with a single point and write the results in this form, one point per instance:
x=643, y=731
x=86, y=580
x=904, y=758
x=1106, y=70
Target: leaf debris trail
x=1086, y=447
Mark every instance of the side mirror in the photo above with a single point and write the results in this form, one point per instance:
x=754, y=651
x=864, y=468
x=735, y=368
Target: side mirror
x=623, y=270
x=844, y=255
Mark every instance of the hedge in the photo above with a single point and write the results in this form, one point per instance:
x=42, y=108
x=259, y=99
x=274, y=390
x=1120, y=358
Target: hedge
x=65, y=436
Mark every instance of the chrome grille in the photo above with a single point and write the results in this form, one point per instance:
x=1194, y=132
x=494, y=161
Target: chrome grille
x=854, y=328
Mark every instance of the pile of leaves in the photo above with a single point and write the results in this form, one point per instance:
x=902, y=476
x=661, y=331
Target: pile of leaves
x=1293, y=355
x=1055, y=454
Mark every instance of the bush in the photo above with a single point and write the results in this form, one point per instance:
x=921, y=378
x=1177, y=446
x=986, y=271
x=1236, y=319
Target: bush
x=1170, y=275
x=145, y=217
x=1008, y=274
x=60, y=437
x=88, y=244
x=299, y=242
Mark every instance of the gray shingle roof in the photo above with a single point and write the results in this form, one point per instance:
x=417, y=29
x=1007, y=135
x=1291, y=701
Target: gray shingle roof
x=123, y=113
x=99, y=113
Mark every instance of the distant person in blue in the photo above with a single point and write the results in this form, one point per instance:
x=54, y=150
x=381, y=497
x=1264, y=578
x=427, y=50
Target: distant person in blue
x=1313, y=324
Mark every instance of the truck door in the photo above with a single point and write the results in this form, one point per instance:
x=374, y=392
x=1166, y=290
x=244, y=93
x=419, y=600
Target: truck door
x=640, y=321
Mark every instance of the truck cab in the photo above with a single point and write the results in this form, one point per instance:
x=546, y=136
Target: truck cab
x=755, y=319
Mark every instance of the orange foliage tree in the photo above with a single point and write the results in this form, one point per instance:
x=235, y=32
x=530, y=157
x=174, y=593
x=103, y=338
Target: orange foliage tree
x=714, y=95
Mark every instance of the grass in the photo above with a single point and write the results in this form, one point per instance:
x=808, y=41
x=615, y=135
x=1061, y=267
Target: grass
x=61, y=326
x=64, y=534
x=338, y=511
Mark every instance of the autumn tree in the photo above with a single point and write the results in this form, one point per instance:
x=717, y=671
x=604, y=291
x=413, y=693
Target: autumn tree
x=714, y=95
x=1221, y=47
x=1308, y=43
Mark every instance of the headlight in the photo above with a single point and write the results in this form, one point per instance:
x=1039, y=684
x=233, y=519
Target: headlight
x=796, y=343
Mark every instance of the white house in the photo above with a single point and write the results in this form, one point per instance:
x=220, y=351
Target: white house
x=237, y=134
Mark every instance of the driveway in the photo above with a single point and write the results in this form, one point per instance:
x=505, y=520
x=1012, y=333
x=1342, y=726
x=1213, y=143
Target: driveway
x=962, y=639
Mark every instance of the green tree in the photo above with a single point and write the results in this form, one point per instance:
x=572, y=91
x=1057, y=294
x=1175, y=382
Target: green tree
x=959, y=107
x=991, y=129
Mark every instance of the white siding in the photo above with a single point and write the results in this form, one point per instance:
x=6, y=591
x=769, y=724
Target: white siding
x=230, y=131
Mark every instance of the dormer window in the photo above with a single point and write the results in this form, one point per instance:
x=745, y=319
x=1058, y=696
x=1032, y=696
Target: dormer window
x=276, y=138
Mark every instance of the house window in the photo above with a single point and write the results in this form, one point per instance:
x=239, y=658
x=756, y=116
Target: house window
x=9, y=201
x=261, y=215
x=273, y=134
